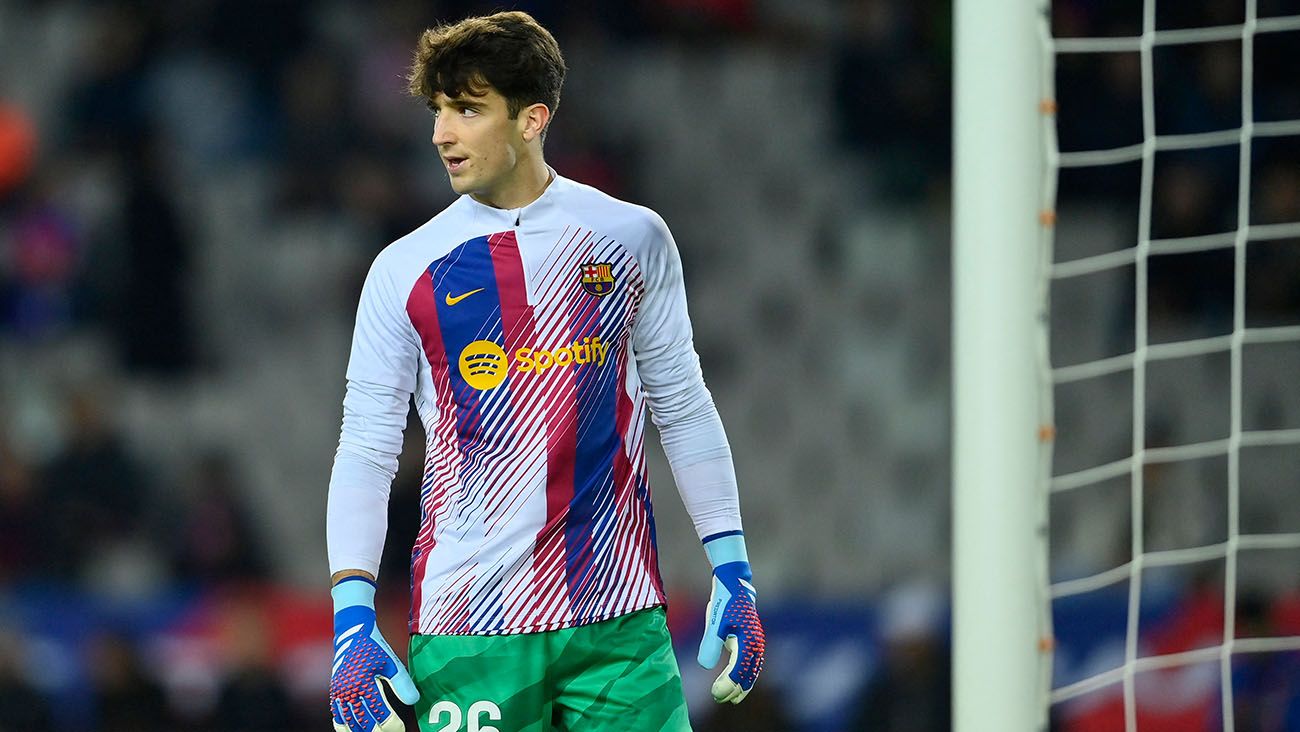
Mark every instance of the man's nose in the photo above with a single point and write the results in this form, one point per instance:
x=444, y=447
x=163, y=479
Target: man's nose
x=442, y=133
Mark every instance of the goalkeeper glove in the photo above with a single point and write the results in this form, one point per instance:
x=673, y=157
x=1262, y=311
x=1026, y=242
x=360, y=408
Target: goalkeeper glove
x=361, y=658
x=731, y=619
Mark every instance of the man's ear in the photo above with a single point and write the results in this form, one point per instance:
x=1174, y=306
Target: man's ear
x=534, y=120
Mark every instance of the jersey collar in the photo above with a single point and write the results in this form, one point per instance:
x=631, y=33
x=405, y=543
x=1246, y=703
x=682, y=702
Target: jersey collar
x=517, y=216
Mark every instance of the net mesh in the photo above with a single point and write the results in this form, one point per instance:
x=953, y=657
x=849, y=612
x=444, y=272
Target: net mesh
x=1177, y=323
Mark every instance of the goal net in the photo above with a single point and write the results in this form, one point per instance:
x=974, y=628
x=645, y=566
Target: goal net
x=1172, y=374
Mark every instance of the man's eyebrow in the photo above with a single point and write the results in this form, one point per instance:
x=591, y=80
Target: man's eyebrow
x=454, y=103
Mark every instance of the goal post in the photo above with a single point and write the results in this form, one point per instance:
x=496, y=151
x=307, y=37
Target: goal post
x=998, y=173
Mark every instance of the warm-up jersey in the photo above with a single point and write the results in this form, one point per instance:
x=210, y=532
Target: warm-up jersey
x=529, y=338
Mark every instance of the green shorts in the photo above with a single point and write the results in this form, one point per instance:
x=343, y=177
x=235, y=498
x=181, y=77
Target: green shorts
x=616, y=675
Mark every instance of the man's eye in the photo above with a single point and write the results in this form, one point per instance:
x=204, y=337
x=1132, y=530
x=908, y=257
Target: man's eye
x=469, y=112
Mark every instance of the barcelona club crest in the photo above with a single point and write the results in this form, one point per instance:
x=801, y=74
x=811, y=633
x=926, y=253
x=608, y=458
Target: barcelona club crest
x=598, y=278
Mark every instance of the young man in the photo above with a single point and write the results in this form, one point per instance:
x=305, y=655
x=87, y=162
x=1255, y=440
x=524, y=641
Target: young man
x=534, y=320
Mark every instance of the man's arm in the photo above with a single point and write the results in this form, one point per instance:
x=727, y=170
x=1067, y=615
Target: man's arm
x=356, y=519
x=381, y=377
x=700, y=457
x=680, y=404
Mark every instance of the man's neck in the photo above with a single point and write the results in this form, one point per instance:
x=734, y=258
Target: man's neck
x=522, y=189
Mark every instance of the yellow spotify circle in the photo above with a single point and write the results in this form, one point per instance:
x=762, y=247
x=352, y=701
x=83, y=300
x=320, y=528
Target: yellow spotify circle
x=483, y=365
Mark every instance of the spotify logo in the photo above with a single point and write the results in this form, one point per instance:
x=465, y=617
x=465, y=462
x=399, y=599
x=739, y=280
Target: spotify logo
x=483, y=365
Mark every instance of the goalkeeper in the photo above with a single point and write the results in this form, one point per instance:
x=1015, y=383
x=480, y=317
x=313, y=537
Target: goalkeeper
x=535, y=320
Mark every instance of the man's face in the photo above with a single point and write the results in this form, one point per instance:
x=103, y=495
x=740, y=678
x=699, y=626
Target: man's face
x=478, y=142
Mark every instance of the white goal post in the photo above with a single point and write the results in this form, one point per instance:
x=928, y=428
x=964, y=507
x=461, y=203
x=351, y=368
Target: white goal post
x=998, y=516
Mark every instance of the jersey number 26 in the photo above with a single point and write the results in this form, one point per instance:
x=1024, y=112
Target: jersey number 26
x=476, y=712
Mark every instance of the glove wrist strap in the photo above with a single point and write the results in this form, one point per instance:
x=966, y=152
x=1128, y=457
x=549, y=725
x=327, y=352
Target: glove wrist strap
x=353, y=591
x=726, y=548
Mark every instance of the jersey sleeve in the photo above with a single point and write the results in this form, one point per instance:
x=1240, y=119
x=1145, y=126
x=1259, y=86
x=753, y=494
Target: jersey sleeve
x=681, y=406
x=381, y=375
x=356, y=514
x=385, y=350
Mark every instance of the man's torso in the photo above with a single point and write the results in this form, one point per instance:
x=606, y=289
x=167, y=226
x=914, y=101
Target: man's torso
x=535, y=506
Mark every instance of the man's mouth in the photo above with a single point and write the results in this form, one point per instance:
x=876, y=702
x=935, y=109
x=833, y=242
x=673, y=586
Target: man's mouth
x=454, y=164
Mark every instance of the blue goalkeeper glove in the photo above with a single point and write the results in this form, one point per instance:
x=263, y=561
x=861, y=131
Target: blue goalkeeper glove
x=361, y=658
x=731, y=619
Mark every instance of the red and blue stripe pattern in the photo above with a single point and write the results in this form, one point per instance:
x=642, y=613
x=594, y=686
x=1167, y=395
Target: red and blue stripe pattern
x=535, y=509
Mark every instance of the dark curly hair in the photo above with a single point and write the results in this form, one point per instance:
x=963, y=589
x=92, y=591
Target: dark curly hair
x=510, y=52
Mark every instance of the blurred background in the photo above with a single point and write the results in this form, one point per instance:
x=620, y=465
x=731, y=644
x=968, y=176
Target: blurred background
x=192, y=191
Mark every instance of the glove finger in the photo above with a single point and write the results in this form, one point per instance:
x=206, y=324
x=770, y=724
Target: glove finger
x=382, y=711
x=710, y=650
x=746, y=665
x=351, y=721
x=724, y=686
x=371, y=712
x=337, y=713
x=404, y=686
x=339, y=726
x=392, y=723
x=376, y=706
x=726, y=691
x=400, y=681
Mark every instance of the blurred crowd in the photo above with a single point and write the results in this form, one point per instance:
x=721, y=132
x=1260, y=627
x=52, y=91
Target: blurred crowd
x=109, y=150
x=1197, y=88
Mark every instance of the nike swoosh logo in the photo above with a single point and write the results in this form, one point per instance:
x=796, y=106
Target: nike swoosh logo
x=453, y=300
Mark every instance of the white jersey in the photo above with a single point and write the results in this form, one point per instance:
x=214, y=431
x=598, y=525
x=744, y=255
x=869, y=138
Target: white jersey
x=530, y=339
